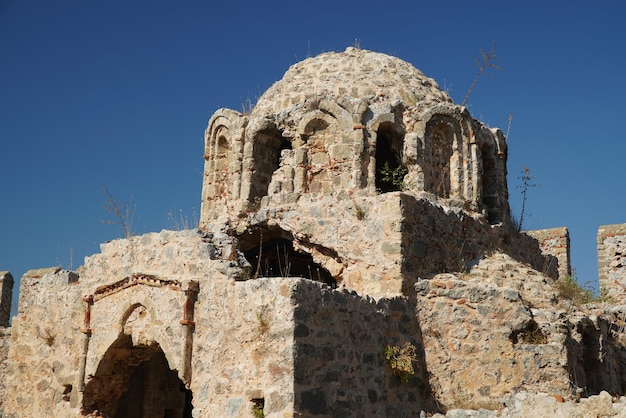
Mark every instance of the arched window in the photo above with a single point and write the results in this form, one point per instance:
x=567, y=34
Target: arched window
x=390, y=171
x=490, y=184
x=267, y=148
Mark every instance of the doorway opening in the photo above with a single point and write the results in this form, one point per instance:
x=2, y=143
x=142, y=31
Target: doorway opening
x=136, y=382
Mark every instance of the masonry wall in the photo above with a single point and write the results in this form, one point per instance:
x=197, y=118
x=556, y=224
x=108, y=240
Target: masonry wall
x=483, y=341
x=555, y=242
x=340, y=370
x=44, y=352
x=612, y=259
x=252, y=339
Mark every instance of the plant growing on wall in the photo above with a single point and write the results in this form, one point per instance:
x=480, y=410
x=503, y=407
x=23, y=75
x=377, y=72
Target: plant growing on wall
x=527, y=183
x=122, y=212
x=400, y=359
x=393, y=177
x=484, y=62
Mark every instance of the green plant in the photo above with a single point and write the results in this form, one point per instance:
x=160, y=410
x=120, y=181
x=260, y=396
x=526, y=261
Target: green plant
x=604, y=296
x=568, y=288
x=257, y=408
x=393, y=176
x=401, y=360
x=527, y=183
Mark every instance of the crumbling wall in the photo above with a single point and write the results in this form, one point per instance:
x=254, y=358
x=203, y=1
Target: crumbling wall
x=555, y=242
x=482, y=342
x=5, y=343
x=44, y=352
x=612, y=260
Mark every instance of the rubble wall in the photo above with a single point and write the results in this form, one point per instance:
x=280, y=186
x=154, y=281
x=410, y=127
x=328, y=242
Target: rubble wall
x=482, y=342
x=340, y=370
x=555, y=242
x=612, y=260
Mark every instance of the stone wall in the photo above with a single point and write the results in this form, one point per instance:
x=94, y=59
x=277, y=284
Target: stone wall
x=169, y=304
x=612, y=260
x=482, y=342
x=5, y=342
x=555, y=242
x=339, y=366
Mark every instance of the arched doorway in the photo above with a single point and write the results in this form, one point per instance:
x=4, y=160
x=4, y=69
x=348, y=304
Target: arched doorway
x=135, y=381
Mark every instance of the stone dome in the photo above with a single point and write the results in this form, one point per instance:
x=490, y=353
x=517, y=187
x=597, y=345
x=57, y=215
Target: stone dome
x=355, y=73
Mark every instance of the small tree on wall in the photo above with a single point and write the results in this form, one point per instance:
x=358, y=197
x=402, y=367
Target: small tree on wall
x=527, y=183
x=122, y=212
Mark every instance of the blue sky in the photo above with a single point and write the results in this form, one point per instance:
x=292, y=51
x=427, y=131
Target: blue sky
x=119, y=94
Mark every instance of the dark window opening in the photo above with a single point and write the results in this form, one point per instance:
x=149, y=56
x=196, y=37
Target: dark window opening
x=490, y=186
x=390, y=171
x=284, y=145
x=267, y=148
x=271, y=253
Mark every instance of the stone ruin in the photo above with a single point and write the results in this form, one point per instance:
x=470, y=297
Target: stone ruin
x=355, y=257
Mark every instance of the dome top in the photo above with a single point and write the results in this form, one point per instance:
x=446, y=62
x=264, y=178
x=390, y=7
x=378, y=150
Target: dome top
x=355, y=73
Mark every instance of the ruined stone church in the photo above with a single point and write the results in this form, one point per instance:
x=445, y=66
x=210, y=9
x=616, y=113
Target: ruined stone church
x=355, y=257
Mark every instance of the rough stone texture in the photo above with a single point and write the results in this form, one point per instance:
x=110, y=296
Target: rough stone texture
x=612, y=259
x=555, y=242
x=354, y=213
x=524, y=405
x=5, y=341
x=323, y=131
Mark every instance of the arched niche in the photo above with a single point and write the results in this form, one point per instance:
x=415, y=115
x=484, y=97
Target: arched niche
x=223, y=154
x=328, y=157
x=135, y=381
x=442, y=161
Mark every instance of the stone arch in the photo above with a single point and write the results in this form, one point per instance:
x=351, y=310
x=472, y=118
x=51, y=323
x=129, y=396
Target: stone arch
x=268, y=145
x=493, y=176
x=328, y=156
x=443, y=170
x=223, y=153
x=134, y=381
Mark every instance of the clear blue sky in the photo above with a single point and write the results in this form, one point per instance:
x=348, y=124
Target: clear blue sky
x=118, y=93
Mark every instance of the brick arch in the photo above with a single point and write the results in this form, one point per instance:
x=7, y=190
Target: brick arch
x=223, y=151
x=109, y=323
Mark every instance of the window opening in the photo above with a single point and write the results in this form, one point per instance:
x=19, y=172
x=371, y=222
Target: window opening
x=267, y=149
x=390, y=171
x=490, y=185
